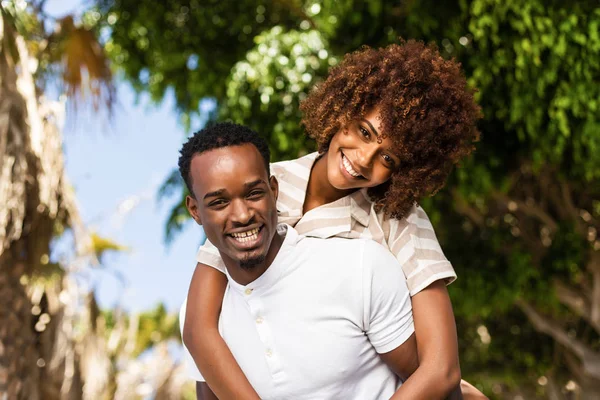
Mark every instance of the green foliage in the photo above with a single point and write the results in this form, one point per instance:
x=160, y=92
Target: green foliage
x=511, y=217
x=178, y=215
x=536, y=65
x=186, y=46
x=153, y=327
x=190, y=47
x=264, y=91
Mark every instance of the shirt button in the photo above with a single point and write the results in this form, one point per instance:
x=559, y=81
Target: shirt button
x=269, y=353
x=259, y=320
x=248, y=291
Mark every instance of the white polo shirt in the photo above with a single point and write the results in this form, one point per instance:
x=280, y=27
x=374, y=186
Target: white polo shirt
x=312, y=325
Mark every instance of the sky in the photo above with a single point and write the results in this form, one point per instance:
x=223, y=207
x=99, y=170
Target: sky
x=116, y=169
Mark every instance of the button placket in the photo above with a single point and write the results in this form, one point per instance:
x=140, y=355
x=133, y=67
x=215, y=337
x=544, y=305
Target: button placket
x=265, y=334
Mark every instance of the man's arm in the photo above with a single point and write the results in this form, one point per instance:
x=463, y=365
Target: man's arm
x=403, y=360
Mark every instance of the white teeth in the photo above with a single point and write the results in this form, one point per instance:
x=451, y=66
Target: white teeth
x=349, y=168
x=246, y=236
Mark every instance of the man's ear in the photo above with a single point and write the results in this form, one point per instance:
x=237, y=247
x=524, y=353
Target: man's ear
x=274, y=186
x=192, y=206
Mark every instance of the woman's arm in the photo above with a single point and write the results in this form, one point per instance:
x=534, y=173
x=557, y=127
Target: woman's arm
x=438, y=374
x=201, y=336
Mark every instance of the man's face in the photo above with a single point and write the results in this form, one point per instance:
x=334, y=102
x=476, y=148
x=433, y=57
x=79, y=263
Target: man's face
x=235, y=203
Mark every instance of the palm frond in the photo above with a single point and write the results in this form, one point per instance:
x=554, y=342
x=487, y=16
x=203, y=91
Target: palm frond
x=85, y=66
x=176, y=221
x=172, y=185
x=101, y=245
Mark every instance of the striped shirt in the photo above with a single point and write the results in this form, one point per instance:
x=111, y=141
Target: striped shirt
x=411, y=240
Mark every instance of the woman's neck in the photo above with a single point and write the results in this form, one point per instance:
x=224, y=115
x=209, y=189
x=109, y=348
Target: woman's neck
x=319, y=190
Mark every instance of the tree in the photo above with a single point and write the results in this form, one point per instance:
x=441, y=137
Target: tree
x=525, y=205
x=54, y=341
x=36, y=200
x=530, y=196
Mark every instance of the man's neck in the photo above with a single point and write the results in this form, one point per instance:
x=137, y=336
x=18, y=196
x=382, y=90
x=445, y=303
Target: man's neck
x=245, y=276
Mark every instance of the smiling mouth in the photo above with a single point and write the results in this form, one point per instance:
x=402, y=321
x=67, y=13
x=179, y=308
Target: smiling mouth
x=247, y=240
x=247, y=236
x=348, y=167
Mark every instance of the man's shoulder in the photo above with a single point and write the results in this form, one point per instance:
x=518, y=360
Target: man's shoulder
x=337, y=247
x=315, y=242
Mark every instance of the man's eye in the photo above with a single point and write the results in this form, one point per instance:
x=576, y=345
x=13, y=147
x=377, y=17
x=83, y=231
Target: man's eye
x=255, y=194
x=217, y=203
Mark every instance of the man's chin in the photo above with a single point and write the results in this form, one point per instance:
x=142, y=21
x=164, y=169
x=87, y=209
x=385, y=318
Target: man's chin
x=252, y=262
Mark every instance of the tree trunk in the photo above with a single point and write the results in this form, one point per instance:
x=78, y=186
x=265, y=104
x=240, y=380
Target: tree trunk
x=31, y=202
x=19, y=373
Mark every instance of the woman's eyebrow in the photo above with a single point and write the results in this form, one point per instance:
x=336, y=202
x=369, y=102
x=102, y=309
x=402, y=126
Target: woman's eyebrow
x=370, y=126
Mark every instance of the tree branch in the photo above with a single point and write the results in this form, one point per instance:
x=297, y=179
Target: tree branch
x=559, y=196
x=594, y=267
x=295, y=8
x=464, y=208
x=571, y=209
x=574, y=366
x=553, y=389
x=542, y=324
x=576, y=302
x=590, y=359
x=530, y=210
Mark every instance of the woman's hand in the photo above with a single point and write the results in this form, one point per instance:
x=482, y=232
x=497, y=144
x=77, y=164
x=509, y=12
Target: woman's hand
x=201, y=336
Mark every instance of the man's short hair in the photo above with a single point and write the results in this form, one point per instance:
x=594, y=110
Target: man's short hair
x=216, y=136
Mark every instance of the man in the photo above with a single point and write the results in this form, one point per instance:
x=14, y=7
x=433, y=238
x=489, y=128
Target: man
x=305, y=318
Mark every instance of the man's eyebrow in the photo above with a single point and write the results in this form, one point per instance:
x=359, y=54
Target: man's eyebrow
x=370, y=126
x=257, y=182
x=214, y=194
x=248, y=185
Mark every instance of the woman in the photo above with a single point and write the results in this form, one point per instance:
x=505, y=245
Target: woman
x=390, y=124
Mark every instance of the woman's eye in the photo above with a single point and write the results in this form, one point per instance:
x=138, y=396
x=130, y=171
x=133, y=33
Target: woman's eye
x=364, y=132
x=388, y=160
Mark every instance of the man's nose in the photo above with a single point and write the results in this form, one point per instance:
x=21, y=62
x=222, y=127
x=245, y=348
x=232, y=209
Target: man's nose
x=241, y=213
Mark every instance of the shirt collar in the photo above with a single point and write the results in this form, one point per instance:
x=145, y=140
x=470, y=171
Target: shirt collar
x=357, y=206
x=277, y=267
x=361, y=207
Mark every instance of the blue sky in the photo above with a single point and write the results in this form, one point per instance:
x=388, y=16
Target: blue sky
x=116, y=169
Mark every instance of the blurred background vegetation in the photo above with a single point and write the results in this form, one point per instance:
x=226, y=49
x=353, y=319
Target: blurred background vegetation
x=518, y=220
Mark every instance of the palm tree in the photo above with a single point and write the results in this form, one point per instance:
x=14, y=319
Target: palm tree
x=55, y=343
x=36, y=200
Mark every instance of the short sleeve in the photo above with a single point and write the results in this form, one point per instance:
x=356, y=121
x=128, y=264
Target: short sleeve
x=209, y=255
x=414, y=243
x=190, y=365
x=388, y=315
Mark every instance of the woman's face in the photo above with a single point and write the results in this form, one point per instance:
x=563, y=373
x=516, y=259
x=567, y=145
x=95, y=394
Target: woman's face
x=357, y=158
